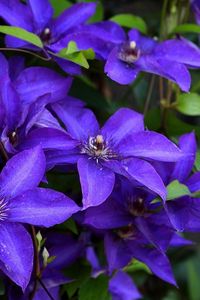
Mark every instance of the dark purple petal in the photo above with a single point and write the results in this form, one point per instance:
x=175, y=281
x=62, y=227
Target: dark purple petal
x=67, y=66
x=175, y=71
x=46, y=119
x=179, y=241
x=121, y=287
x=22, y=172
x=4, y=70
x=150, y=144
x=96, y=182
x=120, y=71
x=49, y=139
x=34, y=82
x=16, y=66
x=61, y=157
x=16, y=255
x=16, y=14
x=179, y=50
x=122, y=123
x=193, y=182
x=75, y=15
x=41, y=207
x=42, y=13
x=145, y=44
x=108, y=215
x=81, y=123
x=183, y=167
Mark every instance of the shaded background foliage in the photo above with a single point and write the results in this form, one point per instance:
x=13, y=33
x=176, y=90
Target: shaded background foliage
x=104, y=97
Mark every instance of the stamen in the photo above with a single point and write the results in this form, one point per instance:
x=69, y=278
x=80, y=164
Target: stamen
x=129, y=52
x=3, y=209
x=46, y=35
x=136, y=206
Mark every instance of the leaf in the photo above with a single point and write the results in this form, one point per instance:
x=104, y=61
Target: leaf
x=59, y=6
x=130, y=21
x=176, y=189
x=94, y=288
x=189, y=104
x=184, y=28
x=79, y=57
x=137, y=265
x=197, y=161
x=22, y=34
x=193, y=280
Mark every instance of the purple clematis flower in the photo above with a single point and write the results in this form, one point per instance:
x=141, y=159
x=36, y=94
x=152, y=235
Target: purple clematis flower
x=126, y=57
x=121, y=146
x=23, y=202
x=195, y=4
x=51, y=31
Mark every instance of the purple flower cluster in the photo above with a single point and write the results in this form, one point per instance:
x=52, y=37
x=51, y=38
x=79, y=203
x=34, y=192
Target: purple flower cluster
x=123, y=167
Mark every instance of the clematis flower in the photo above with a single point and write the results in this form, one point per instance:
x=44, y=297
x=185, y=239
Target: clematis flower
x=195, y=4
x=23, y=202
x=121, y=146
x=51, y=31
x=127, y=57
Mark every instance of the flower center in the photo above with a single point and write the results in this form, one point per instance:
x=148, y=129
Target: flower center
x=136, y=207
x=3, y=209
x=13, y=138
x=46, y=35
x=126, y=232
x=129, y=52
x=97, y=148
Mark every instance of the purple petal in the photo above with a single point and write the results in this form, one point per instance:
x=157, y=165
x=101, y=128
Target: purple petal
x=193, y=182
x=122, y=287
x=16, y=255
x=16, y=66
x=34, y=82
x=81, y=123
x=49, y=139
x=4, y=70
x=179, y=241
x=120, y=71
x=46, y=119
x=38, y=8
x=96, y=182
x=22, y=172
x=179, y=50
x=75, y=15
x=61, y=157
x=41, y=207
x=150, y=144
x=68, y=66
x=175, y=71
x=145, y=44
x=183, y=167
x=108, y=215
x=16, y=14
x=121, y=124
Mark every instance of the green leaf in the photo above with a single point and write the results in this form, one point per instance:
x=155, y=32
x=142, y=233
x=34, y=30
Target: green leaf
x=94, y=289
x=176, y=189
x=187, y=28
x=22, y=34
x=130, y=21
x=59, y=6
x=193, y=280
x=189, y=104
x=197, y=161
x=137, y=265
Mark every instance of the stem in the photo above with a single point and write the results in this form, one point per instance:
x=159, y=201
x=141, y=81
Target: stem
x=26, y=51
x=163, y=14
x=151, y=85
x=37, y=262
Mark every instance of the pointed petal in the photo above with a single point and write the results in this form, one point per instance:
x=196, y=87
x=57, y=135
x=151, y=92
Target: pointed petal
x=66, y=65
x=122, y=123
x=38, y=8
x=150, y=144
x=22, y=172
x=34, y=82
x=81, y=123
x=193, y=182
x=118, y=70
x=49, y=138
x=41, y=207
x=97, y=182
x=121, y=287
x=73, y=16
x=16, y=255
x=183, y=167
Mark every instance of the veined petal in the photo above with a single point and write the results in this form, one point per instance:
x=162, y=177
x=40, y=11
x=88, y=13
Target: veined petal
x=118, y=70
x=23, y=171
x=41, y=207
x=96, y=182
x=73, y=16
x=150, y=144
x=42, y=13
x=16, y=255
x=121, y=287
x=122, y=123
x=34, y=82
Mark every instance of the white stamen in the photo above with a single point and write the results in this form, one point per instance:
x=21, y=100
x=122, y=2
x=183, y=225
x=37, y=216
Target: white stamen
x=133, y=45
x=47, y=31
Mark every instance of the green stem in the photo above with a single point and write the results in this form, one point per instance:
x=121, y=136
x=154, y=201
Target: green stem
x=151, y=85
x=26, y=51
x=162, y=21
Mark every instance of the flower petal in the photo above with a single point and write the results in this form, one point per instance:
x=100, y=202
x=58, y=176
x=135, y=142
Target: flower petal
x=16, y=255
x=150, y=144
x=122, y=123
x=96, y=182
x=121, y=287
x=22, y=172
x=41, y=207
x=34, y=82
x=120, y=71
x=38, y=8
